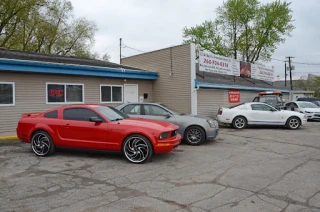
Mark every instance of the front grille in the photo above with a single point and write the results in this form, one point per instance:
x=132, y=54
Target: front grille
x=317, y=115
x=174, y=133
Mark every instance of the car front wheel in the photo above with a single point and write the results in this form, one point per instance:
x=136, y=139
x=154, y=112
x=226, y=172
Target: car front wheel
x=293, y=123
x=194, y=135
x=137, y=149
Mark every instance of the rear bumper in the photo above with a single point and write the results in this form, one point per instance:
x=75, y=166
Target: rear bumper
x=21, y=136
x=167, y=145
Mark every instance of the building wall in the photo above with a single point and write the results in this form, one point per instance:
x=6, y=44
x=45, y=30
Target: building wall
x=30, y=93
x=209, y=100
x=173, y=86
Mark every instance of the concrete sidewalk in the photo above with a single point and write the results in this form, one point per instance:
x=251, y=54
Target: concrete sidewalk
x=8, y=136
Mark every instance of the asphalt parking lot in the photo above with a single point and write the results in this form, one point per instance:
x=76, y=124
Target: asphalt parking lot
x=254, y=169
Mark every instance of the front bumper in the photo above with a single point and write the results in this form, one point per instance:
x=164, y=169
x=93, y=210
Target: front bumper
x=311, y=116
x=212, y=133
x=167, y=145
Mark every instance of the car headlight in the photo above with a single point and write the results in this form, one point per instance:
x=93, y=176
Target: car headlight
x=164, y=136
x=212, y=123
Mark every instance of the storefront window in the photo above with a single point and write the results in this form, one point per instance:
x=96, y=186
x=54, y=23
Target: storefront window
x=7, y=94
x=64, y=93
x=111, y=94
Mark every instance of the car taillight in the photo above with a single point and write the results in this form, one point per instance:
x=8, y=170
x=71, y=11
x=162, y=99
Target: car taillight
x=220, y=112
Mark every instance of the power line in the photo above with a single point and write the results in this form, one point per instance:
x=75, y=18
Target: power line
x=108, y=47
x=302, y=63
x=126, y=46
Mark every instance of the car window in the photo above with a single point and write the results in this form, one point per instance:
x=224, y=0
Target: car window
x=79, y=114
x=51, y=114
x=261, y=107
x=131, y=109
x=153, y=110
x=294, y=105
x=111, y=113
x=307, y=105
x=288, y=104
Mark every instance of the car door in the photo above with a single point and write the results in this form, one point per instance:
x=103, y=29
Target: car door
x=155, y=112
x=132, y=110
x=77, y=131
x=264, y=114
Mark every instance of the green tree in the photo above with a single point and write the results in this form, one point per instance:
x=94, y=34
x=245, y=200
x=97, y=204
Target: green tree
x=46, y=26
x=312, y=84
x=244, y=28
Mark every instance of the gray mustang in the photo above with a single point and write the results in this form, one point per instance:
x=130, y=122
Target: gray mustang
x=193, y=129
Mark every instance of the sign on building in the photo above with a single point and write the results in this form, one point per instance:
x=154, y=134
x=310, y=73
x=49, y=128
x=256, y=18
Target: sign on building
x=209, y=62
x=262, y=73
x=234, y=96
x=213, y=63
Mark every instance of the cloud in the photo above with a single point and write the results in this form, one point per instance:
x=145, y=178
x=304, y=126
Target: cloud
x=155, y=24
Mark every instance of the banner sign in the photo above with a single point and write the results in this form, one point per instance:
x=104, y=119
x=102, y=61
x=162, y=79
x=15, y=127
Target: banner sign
x=213, y=63
x=234, y=96
x=262, y=73
x=209, y=62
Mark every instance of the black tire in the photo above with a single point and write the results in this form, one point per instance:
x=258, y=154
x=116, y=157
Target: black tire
x=42, y=144
x=194, y=135
x=293, y=123
x=239, y=122
x=137, y=149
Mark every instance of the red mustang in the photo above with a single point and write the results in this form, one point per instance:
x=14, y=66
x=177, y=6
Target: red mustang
x=97, y=127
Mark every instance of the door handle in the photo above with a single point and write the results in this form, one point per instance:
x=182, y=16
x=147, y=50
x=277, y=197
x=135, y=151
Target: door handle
x=66, y=125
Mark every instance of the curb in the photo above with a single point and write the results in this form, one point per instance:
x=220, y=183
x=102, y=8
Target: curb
x=5, y=138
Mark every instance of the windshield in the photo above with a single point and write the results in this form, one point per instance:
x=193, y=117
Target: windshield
x=175, y=112
x=111, y=113
x=271, y=100
x=307, y=105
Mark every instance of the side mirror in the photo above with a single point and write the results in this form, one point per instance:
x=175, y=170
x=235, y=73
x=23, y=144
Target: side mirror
x=167, y=115
x=95, y=119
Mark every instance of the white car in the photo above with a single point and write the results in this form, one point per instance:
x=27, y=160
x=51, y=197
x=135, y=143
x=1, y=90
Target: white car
x=311, y=110
x=257, y=113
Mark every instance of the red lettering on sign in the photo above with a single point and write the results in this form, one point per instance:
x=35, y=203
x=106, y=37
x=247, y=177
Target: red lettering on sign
x=57, y=93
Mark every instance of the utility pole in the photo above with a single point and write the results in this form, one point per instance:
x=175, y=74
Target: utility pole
x=120, y=49
x=285, y=74
x=290, y=68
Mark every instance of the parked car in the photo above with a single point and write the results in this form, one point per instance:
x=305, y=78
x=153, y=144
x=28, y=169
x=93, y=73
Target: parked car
x=194, y=129
x=255, y=113
x=97, y=127
x=311, y=110
x=310, y=99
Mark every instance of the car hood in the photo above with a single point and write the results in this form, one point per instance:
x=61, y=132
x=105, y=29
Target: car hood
x=314, y=110
x=151, y=124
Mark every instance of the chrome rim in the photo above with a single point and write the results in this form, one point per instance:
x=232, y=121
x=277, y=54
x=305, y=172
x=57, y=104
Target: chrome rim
x=294, y=123
x=40, y=144
x=240, y=123
x=194, y=136
x=136, y=149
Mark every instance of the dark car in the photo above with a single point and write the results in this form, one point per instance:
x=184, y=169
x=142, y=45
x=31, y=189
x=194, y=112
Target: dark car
x=310, y=99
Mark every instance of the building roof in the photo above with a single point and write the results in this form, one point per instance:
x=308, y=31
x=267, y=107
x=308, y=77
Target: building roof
x=12, y=60
x=234, y=81
x=54, y=58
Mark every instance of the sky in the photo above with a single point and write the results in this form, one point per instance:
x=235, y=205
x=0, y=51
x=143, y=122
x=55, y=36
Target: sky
x=148, y=25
